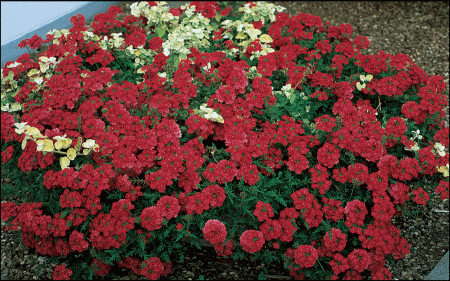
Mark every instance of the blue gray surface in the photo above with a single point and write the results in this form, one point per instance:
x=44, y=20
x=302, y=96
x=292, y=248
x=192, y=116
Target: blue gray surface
x=440, y=271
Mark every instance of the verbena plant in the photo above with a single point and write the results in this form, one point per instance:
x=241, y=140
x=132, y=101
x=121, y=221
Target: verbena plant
x=269, y=135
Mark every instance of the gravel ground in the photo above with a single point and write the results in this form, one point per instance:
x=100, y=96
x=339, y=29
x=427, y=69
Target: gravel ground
x=418, y=29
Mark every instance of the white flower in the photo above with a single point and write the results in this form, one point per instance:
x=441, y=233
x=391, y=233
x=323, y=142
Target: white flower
x=166, y=52
x=21, y=127
x=89, y=143
x=13, y=65
x=440, y=149
x=211, y=115
x=14, y=107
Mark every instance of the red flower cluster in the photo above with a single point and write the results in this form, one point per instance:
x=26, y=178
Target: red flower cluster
x=224, y=249
x=77, y=242
x=263, y=211
x=212, y=196
x=442, y=189
x=308, y=207
x=214, y=231
x=151, y=268
x=34, y=43
x=355, y=212
x=61, y=273
x=252, y=241
x=271, y=229
x=420, y=196
x=151, y=218
x=359, y=259
x=100, y=268
x=168, y=206
x=332, y=209
x=305, y=255
x=208, y=9
x=333, y=241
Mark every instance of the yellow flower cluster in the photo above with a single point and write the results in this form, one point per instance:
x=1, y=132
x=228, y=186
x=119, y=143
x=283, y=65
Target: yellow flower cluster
x=363, y=79
x=46, y=145
x=439, y=149
x=209, y=113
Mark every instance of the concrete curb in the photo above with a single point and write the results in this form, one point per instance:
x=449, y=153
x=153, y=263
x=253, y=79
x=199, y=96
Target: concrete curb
x=440, y=271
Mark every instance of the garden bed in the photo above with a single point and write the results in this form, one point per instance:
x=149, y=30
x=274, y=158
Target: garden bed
x=419, y=30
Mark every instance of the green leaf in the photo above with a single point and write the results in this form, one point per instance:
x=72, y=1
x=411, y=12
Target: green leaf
x=262, y=276
x=159, y=31
x=218, y=16
x=292, y=97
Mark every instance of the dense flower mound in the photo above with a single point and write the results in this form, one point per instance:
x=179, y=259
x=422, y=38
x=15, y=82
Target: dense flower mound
x=266, y=134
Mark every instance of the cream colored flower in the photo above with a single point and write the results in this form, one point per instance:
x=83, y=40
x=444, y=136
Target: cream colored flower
x=440, y=149
x=64, y=162
x=265, y=38
x=89, y=143
x=34, y=132
x=44, y=145
x=71, y=154
x=444, y=170
x=62, y=142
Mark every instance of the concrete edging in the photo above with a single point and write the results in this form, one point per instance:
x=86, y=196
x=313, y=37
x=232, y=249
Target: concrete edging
x=440, y=271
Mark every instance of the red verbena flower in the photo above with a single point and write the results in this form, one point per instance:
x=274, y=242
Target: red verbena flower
x=151, y=218
x=305, y=256
x=61, y=273
x=252, y=241
x=214, y=231
x=263, y=211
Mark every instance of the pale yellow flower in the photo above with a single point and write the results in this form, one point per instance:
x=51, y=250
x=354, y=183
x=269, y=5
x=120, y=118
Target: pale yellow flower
x=21, y=127
x=44, y=145
x=24, y=142
x=440, y=149
x=366, y=78
x=359, y=86
x=241, y=35
x=444, y=170
x=34, y=132
x=265, y=38
x=62, y=142
x=64, y=162
x=71, y=153
x=89, y=143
